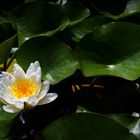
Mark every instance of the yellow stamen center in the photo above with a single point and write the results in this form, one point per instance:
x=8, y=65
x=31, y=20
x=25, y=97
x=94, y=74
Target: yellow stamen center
x=24, y=88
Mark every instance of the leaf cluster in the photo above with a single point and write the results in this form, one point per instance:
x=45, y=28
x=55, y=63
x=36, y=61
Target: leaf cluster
x=90, y=51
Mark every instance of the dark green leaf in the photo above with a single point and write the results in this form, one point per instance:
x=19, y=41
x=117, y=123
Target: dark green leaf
x=39, y=18
x=6, y=120
x=8, y=39
x=87, y=25
x=6, y=31
x=87, y=126
x=81, y=109
x=76, y=12
x=5, y=48
x=5, y=17
x=114, y=7
x=129, y=121
x=111, y=49
x=56, y=58
x=132, y=7
x=119, y=8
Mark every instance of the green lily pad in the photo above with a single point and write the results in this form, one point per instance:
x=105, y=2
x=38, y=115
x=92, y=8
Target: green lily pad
x=87, y=25
x=56, y=58
x=5, y=48
x=6, y=120
x=119, y=8
x=111, y=49
x=7, y=41
x=132, y=122
x=35, y=18
x=76, y=12
x=114, y=7
x=86, y=126
x=132, y=8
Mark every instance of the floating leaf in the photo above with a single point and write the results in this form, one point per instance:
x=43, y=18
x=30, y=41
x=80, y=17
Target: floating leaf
x=87, y=25
x=6, y=120
x=132, y=7
x=36, y=18
x=111, y=49
x=56, y=58
x=5, y=48
x=118, y=9
x=129, y=121
x=114, y=7
x=8, y=39
x=76, y=12
x=85, y=126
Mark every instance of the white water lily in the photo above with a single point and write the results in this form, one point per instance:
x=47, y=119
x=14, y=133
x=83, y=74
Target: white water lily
x=19, y=88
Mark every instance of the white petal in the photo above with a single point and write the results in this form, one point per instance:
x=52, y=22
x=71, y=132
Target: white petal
x=19, y=104
x=41, y=95
x=18, y=72
x=38, y=75
x=24, y=99
x=48, y=98
x=36, y=64
x=34, y=72
x=4, y=89
x=7, y=78
x=5, y=74
x=44, y=89
x=38, y=79
x=10, y=109
x=5, y=97
x=3, y=101
x=32, y=101
x=46, y=85
x=5, y=93
x=32, y=68
x=50, y=78
x=35, y=78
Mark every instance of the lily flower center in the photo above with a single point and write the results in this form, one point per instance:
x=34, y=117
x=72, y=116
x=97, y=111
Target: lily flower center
x=24, y=88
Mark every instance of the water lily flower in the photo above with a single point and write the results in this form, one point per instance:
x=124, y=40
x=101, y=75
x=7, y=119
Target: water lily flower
x=19, y=88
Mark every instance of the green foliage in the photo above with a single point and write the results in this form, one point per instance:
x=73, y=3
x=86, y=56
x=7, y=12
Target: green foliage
x=6, y=122
x=117, y=9
x=87, y=25
x=39, y=18
x=56, y=58
x=76, y=12
x=87, y=126
x=132, y=122
x=90, y=52
x=7, y=41
x=111, y=49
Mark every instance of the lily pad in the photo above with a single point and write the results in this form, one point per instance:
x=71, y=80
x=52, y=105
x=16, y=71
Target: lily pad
x=76, y=12
x=56, y=58
x=39, y=17
x=132, y=8
x=6, y=120
x=5, y=48
x=7, y=41
x=119, y=8
x=111, y=49
x=132, y=122
x=114, y=7
x=86, y=126
x=87, y=25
